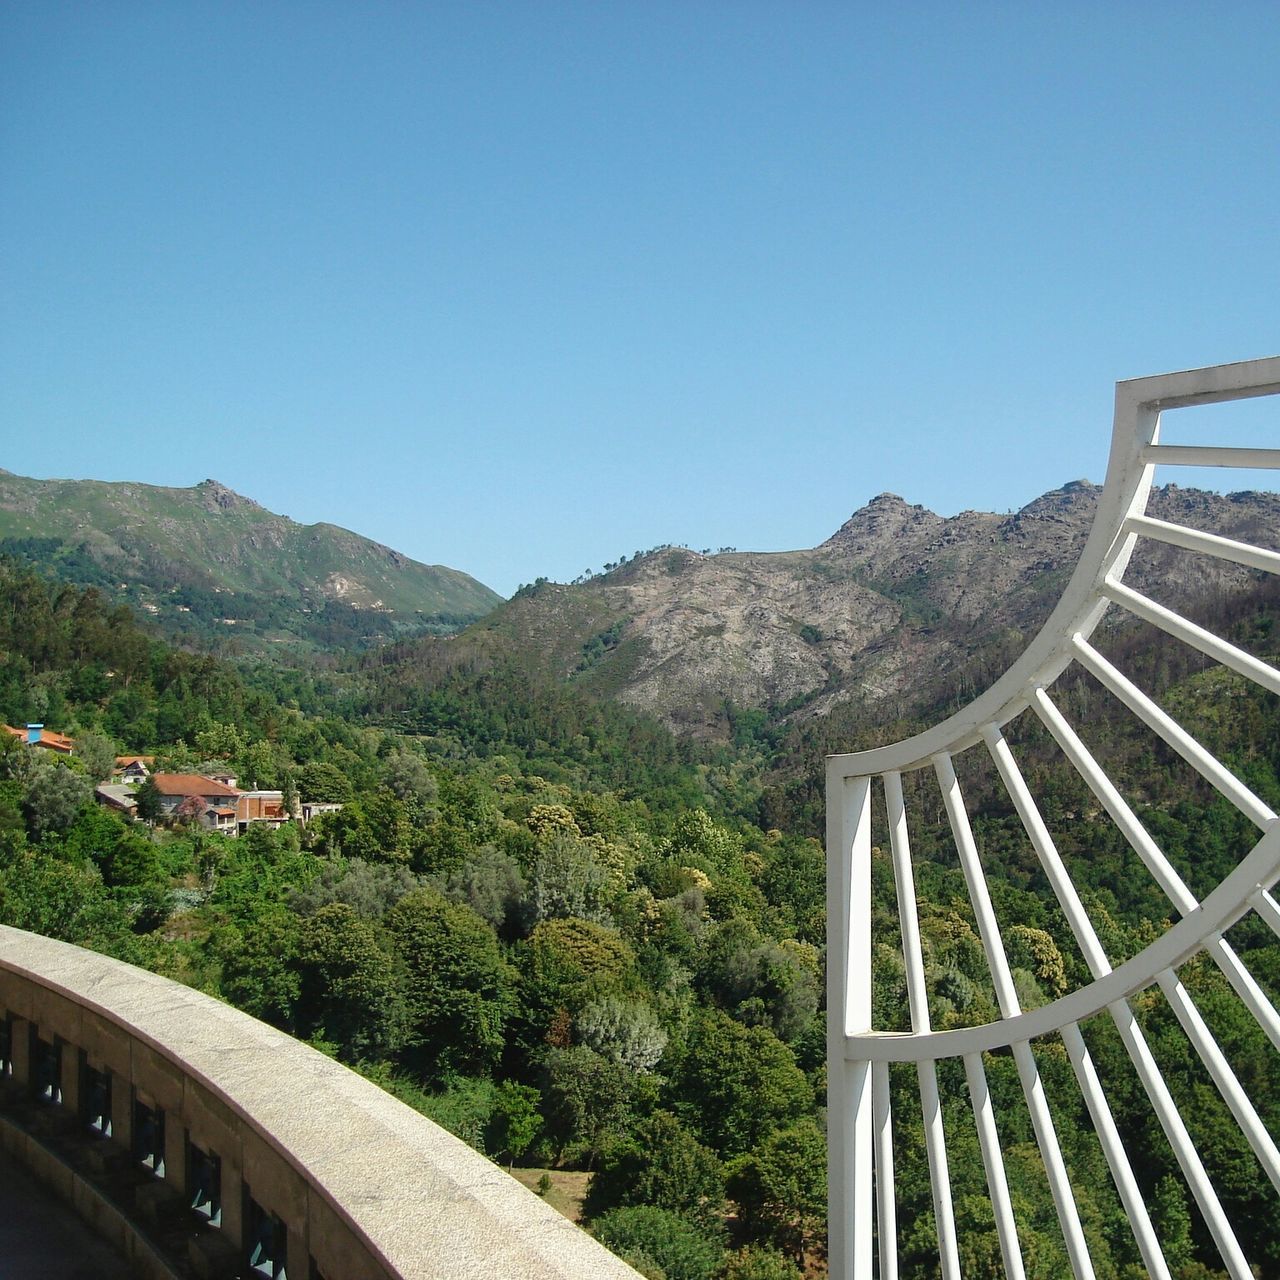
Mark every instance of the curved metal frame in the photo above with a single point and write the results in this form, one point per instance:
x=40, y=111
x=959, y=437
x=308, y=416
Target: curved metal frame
x=859, y=1126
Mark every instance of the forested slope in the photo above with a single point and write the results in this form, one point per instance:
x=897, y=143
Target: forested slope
x=560, y=932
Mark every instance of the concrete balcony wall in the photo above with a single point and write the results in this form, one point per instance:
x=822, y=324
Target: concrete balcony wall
x=364, y=1186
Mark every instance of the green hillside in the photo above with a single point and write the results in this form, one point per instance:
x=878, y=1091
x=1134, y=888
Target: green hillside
x=208, y=564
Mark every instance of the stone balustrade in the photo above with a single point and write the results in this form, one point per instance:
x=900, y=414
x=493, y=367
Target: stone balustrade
x=202, y=1141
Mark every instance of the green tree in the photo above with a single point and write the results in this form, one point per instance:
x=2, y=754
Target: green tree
x=661, y=1164
x=586, y=1100
x=759, y=1262
x=737, y=1084
x=258, y=962
x=781, y=1187
x=97, y=755
x=347, y=993
x=323, y=782
x=56, y=796
x=147, y=799
x=648, y=1233
x=626, y=1031
x=459, y=991
x=514, y=1121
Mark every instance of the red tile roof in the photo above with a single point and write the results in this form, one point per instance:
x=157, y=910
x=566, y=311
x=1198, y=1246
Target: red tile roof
x=54, y=741
x=190, y=784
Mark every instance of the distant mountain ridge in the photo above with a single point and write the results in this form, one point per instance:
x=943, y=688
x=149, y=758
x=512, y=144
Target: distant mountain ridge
x=884, y=611
x=208, y=556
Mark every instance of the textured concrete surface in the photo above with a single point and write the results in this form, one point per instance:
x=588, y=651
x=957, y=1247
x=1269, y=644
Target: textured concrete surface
x=42, y=1237
x=364, y=1184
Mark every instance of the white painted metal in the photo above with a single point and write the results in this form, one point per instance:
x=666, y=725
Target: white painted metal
x=1201, y=456
x=849, y=1118
x=1210, y=544
x=1120, y=524
x=993, y=1164
x=1116, y=805
x=988, y=928
x=1223, y=1076
x=918, y=1003
x=1059, y=1183
x=1113, y=1149
x=1195, y=932
x=886, y=1208
x=1175, y=735
x=1184, y=1149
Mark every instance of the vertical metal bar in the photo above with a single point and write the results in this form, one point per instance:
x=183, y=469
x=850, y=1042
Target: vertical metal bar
x=917, y=996
x=905, y=883
x=1096, y=958
x=993, y=1164
x=1055, y=1168
x=1223, y=1076
x=1161, y=723
x=1113, y=1149
x=939, y=1171
x=886, y=1208
x=1180, y=1140
x=979, y=895
x=849, y=1118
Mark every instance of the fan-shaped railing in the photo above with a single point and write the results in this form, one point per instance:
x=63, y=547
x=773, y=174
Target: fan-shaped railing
x=864, y=1230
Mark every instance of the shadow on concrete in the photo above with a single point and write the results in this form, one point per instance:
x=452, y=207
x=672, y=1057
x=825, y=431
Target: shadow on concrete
x=41, y=1237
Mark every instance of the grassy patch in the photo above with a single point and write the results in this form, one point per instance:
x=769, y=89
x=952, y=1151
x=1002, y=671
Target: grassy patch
x=566, y=1193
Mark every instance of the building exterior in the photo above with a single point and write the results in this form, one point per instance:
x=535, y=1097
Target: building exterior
x=36, y=735
x=261, y=806
x=212, y=802
x=133, y=768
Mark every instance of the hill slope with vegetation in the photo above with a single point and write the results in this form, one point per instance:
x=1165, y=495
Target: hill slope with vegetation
x=883, y=616
x=213, y=567
x=572, y=939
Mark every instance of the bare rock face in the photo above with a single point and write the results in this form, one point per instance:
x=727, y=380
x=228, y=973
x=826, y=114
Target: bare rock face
x=217, y=497
x=895, y=597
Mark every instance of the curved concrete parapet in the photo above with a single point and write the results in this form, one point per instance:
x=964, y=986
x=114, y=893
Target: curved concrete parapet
x=288, y=1153
x=860, y=1121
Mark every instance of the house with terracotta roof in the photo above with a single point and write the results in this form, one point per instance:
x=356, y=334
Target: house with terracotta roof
x=36, y=735
x=133, y=768
x=211, y=801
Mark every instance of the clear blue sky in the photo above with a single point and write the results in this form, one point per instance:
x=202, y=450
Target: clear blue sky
x=521, y=287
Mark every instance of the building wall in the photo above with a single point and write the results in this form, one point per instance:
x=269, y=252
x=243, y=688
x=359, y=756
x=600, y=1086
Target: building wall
x=365, y=1187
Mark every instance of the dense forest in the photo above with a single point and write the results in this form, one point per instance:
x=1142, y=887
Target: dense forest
x=584, y=945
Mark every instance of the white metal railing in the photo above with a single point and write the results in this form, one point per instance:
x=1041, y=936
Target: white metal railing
x=862, y=1187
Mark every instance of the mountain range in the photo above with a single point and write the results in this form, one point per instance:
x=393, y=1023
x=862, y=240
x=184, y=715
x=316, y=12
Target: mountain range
x=206, y=563
x=885, y=613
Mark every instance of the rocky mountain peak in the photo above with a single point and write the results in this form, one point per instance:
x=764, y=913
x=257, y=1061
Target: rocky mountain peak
x=217, y=497
x=885, y=517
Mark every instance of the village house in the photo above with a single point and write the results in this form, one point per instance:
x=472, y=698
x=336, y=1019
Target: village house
x=312, y=809
x=261, y=806
x=118, y=796
x=133, y=768
x=218, y=799
x=36, y=735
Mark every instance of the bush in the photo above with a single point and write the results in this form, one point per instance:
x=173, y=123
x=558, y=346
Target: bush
x=657, y=1235
x=664, y=1165
x=757, y=1263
